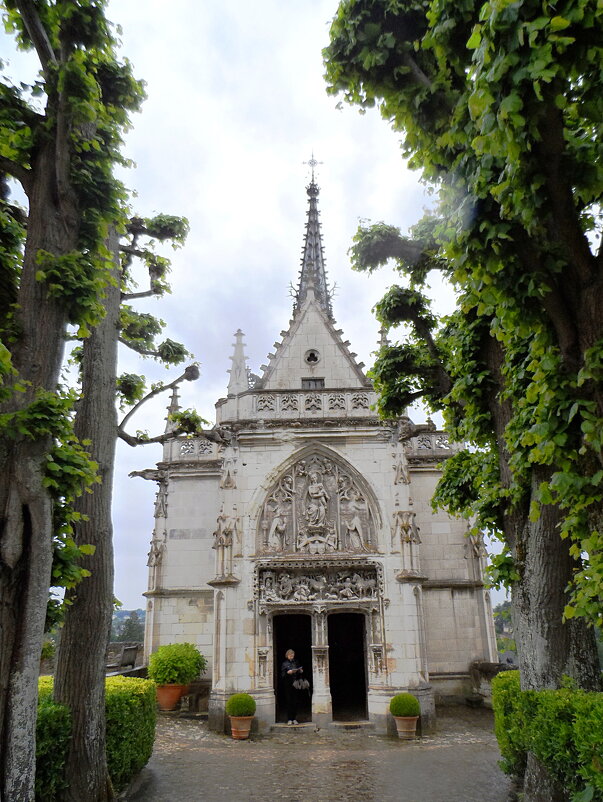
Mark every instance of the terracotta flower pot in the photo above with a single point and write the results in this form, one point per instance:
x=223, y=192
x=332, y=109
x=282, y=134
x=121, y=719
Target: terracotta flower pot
x=406, y=726
x=240, y=727
x=168, y=696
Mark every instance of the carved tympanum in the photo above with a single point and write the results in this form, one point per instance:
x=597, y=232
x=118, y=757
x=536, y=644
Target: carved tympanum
x=324, y=585
x=317, y=507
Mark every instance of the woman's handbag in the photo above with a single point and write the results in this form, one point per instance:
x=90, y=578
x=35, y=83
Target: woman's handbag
x=301, y=684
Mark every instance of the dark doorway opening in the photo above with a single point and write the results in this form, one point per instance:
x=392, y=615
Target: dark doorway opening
x=293, y=632
x=347, y=666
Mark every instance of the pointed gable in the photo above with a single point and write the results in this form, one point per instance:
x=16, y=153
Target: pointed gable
x=312, y=349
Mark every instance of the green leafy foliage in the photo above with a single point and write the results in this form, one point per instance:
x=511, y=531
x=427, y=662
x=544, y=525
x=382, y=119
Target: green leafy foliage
x=188, y=422
x=176, y=664
x=562, y=728
x=131, y=388
x=500, y=107
x=404, y=704
x=240, y=704
x=53, y=731
x=131, y=713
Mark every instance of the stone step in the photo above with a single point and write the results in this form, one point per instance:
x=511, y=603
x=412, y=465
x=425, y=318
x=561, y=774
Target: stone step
x=351, y=725
x=337, y=726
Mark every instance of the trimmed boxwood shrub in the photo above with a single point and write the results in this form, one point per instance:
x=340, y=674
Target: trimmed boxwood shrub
x=131, y=710
x=131, y=714
x=53, y=730
x=176, y=664
x=240, y=704
x=404, y=704
x=563, y=728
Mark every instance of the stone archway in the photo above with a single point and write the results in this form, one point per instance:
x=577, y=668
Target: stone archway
x=316, y=504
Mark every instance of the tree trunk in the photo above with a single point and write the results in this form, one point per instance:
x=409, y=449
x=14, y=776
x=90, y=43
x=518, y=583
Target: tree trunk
x=548, y=648
x=80, y=674
x=25, y=505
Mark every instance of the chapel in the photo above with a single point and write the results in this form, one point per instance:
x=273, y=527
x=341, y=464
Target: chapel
x=303, y=521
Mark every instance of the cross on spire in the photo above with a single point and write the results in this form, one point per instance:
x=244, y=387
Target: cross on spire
x=312, y=163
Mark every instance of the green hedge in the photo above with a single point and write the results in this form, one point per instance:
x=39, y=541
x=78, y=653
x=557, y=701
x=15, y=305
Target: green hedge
x=563, y=728
x=131, y=712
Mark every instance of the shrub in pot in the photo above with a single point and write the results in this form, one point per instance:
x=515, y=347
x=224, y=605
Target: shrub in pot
x=240, y=708
x=172, y=668
x=406, y=710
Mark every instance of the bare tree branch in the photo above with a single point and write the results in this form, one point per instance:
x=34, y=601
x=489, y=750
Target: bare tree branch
x=37, y=32
x=128, y=296
x=22, y=174
x=190, y=374
x=139, y=349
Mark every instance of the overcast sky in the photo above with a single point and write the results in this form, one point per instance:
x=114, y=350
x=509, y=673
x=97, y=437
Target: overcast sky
x=236, y=103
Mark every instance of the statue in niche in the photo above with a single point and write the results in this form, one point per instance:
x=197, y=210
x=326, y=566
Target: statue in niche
x=316, y=510
x=161, y=500
x=277, y=537
x=158, y=546
x=226, y=530
x=353, y=535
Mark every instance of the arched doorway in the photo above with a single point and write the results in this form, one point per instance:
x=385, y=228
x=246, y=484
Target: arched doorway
x=293, y=631
x=347, y=666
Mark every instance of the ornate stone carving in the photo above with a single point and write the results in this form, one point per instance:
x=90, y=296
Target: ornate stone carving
x=406, y=527
x=336, y=401
x=205, y=447
x=266, y=402
x=227, y=530
x=424, y=441
x=378, y=661
x=313, y=401
x=401, y=473
x=360, y=401
x=157, y=550
x=287, y=586
x=316, y=508
x=228, y=478
x=161, y=500
x=474, y=545
x=442, y=441
x=289, y=403
x=187, y=447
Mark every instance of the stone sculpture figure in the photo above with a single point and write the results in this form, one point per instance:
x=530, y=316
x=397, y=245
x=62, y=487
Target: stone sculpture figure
x=316, y=509
x=278, y=530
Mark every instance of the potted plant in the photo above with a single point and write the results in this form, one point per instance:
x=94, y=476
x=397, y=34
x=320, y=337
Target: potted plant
x=172, y=667
x=240, y=708
x=405, y=709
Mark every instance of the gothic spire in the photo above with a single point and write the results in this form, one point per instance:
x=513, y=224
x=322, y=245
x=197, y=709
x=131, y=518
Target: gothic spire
x=173, y=407
x=313, y=274
x=238, y=382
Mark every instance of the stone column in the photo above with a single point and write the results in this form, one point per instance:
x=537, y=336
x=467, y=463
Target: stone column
x=322, y=710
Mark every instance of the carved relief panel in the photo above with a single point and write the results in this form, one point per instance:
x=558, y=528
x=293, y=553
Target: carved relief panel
x=323, y=586
x=317, y=507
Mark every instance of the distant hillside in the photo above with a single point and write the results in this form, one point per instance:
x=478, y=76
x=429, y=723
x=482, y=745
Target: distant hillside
x=128, y=625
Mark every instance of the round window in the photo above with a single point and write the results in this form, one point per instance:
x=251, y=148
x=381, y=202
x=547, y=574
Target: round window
x=312, y=356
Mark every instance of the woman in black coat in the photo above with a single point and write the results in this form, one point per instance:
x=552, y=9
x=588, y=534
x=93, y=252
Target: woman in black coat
x=290, y=671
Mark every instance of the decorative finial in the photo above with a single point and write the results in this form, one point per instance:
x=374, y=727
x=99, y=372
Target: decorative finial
x=312, y=163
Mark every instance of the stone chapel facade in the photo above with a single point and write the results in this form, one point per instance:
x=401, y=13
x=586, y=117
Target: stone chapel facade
x=304, y=521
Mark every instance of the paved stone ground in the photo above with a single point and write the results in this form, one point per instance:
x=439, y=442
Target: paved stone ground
x=458, y=763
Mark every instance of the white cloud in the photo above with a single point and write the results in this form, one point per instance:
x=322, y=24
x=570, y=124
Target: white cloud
x=236, y=102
